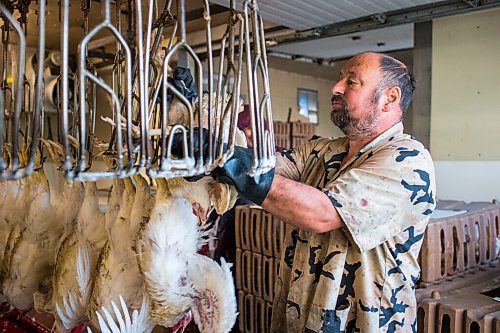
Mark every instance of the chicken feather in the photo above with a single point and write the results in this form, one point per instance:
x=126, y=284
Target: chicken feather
x=169, y=235
x=77, y=261
x=213, y=297
x=118, y=273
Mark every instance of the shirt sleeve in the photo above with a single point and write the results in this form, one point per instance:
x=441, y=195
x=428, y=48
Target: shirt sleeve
x=389, y=192
x=291, y=163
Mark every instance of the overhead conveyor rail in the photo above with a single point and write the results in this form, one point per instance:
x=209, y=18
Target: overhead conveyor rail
x=143, y=49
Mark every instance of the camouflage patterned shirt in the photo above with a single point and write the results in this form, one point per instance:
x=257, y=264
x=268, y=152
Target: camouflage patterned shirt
x=360, y=278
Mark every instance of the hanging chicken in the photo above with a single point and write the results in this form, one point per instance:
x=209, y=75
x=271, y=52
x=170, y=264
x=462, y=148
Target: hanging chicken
x=117, y=272
x=212, y=295
x=76, y=262
x=78, y=257
x=32, y=258
x=65, y=206
x=167, y=237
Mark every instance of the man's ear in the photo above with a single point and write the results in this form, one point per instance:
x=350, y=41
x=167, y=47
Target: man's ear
x=392, y=98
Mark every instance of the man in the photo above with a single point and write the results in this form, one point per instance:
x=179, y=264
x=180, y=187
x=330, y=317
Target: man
x=358, y=207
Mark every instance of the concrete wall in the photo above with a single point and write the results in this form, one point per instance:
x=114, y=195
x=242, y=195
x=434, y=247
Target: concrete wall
x=465, y=141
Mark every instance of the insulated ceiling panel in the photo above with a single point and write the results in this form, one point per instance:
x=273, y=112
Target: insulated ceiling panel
x=379, y=40
x=307, y=14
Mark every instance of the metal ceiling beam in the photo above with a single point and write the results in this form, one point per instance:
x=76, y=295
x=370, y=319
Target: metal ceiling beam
x=387, y=19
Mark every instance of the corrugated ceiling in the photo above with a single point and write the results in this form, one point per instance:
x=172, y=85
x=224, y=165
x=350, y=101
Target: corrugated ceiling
x=380, y=40
x=307, y=14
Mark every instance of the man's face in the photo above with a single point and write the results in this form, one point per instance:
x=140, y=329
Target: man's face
x=354, y=109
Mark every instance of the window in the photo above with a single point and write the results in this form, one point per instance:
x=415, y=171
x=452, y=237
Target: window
x=308, y=104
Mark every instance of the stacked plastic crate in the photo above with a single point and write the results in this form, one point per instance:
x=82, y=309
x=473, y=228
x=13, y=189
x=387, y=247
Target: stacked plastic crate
x=301, y=132
x=293, y=134
x=282, y=134
x=461, y=271
x=258, y=251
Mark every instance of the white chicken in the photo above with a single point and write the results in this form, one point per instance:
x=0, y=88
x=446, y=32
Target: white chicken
x=77, y=260
x=8, y=207
x=172, y=236
x=117, y=272
x=13, y=215
x=212, y=296
x=162, y=246
x=143, y=204
x=64, y=213
x=33, y=255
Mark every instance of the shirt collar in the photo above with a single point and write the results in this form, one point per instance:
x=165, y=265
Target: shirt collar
x=396, y=129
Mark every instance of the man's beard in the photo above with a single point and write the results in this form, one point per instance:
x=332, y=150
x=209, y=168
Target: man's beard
x=354, y=128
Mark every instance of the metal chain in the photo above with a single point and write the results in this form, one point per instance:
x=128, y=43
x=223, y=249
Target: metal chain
x=23, y=7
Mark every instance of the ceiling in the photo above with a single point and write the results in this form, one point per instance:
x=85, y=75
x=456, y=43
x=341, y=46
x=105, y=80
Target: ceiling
x=302, y=15
x=379, y=40
x=327, y=30
x=304, y=31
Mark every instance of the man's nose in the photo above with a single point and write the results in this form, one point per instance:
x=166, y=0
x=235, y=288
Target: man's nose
x=338, y=88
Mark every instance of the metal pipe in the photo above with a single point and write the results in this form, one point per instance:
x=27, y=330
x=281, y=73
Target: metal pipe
x=20, y=85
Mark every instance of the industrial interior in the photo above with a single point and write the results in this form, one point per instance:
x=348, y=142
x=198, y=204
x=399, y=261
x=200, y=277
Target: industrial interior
x=116, y=114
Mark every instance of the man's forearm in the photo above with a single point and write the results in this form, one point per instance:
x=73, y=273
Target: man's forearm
x=302, y=206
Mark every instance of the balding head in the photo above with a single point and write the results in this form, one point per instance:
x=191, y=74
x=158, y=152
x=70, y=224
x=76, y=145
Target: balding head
x=393, y=73
x=396, y=74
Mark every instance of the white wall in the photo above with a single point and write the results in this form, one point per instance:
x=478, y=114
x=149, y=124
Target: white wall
x=284, y=87
x=468, y=180
x=465, y=114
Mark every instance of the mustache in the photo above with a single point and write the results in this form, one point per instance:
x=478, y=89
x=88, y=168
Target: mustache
x=337, y=98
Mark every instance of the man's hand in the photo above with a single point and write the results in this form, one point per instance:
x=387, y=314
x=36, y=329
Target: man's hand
x=235, y=172
x=183, y=81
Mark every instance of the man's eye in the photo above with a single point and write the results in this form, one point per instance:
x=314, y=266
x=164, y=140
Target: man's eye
x=350, y=82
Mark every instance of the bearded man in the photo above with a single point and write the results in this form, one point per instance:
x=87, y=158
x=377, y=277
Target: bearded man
x=357, y=207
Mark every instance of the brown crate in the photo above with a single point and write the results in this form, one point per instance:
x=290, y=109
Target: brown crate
x=268, y=278
x=476, y=320
x=303, y=129
x=491, y=322
x=254, y=234
x=241, y=231
x=427, y=315
x=260, y=315
x=269, y=313
x=459, y=244
x=463, y=304
x=298, y=141
x=238, y=270
x=246, y=272
x=241, y=311
x=249, y=309
x=267, y=233
x=277, y=264
x=257, y=274
x=282, y=142
x=279, y=236
x=281, y=128
x=452, y=311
